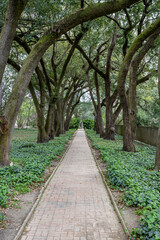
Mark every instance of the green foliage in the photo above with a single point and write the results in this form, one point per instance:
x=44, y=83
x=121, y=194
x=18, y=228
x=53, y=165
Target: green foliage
x=2, y=217
x=74, y=124
x=30, y=161
x=26, y=115
x=88, y=124
x=148, y=104
x=133, y=174
x=85, y=109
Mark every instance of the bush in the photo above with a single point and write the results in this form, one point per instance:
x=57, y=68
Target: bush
x=74, y=124
x=88, y=124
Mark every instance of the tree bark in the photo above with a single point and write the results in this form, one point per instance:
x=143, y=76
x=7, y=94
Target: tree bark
x=157, y=158
x=109, y=133
x=42, y=135
x=49, y=127
x=132, y=103
x=15, y=8
x=4, y=142
x=98, y=108
x=110, y=124
x=128, y=144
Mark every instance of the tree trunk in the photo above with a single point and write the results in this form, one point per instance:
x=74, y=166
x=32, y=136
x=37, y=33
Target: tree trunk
x=59, y=119
x=42, y=135
x=1, y=111
x=15, y=8
x=157, y=159
x=100, y=122
x=128, y=143
x=109, y=133
x=132, y=103
x=98, y=109
x=4, y=142
x=57, y=123
x=68, y=120
x=110, y=124
x=63, y=117
x=49, y=127
x=67, y=123
x=96, y=125
x=4, y=150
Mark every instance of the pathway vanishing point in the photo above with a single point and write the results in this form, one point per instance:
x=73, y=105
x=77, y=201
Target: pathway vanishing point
x=75, y=205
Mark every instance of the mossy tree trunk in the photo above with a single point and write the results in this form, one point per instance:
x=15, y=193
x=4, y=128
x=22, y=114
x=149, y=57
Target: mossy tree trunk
x=109, y=132
x=98, y=108
x=96, y=127
x=49, y=126
x=128, y=143
x=132, y=103
x=42, y=134
x=110, y=124
x=157, y=159
x=4, y=142
x=4, y=150
x=69, y=113
x=18, y=92
x=15, y=8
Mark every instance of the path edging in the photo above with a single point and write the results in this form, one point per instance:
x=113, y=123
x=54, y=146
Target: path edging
x=21, y=229
x=124, y=226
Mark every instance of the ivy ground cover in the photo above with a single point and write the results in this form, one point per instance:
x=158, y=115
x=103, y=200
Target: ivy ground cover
x=30, y=159
x=133, y=174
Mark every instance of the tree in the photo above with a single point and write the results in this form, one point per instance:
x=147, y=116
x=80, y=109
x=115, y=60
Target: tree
x=128, y=144
x=157, y=158
x=134, y=80
x=61, y=27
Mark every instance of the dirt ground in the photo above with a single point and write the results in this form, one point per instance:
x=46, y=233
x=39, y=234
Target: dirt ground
x=16, y=214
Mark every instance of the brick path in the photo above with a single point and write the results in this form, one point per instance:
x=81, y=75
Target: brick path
x=75, y=205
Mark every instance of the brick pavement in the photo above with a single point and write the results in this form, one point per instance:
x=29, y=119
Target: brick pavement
x=75, y=205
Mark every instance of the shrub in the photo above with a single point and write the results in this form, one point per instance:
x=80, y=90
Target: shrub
x=74, y=124
x=88, y=124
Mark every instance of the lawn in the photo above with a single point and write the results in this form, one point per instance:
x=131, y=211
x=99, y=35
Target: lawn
x=29, y=163
x=133, y=174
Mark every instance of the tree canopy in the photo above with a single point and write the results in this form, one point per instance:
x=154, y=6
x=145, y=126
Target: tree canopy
x=54, y=52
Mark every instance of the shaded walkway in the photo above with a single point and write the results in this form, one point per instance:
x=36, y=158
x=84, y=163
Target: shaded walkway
x=75, y=205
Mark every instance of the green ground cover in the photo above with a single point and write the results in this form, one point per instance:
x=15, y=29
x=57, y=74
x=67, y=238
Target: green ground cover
x=133, y=174
x=30, y=161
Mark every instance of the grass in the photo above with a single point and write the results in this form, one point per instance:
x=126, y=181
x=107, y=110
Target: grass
x=133, y=174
